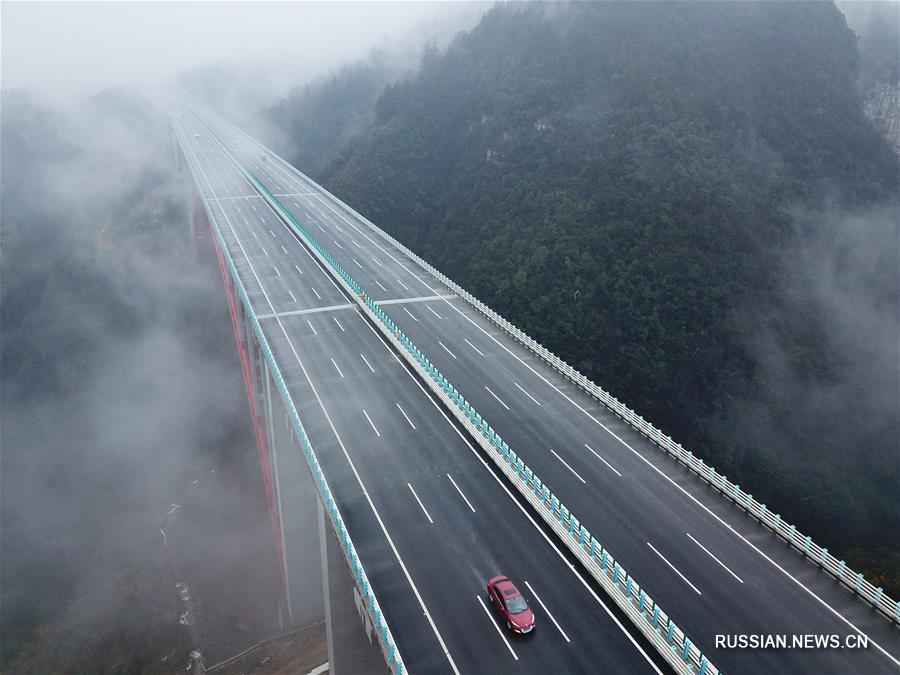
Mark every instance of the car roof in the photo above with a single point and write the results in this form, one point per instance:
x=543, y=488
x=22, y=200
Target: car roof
x=507, y=587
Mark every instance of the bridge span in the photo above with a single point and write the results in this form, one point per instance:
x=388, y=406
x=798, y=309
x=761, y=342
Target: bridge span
x=365, y=369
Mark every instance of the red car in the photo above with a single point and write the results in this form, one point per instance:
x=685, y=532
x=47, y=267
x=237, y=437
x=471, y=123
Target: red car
x=511, y=604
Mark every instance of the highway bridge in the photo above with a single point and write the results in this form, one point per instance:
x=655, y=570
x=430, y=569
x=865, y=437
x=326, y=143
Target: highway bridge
x=415, y=444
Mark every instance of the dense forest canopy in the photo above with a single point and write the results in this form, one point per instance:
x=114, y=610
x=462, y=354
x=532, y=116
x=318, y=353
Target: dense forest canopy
x=684, y=200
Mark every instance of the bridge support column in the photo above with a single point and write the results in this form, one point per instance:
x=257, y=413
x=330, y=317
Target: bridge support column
x=349, y=650
x=296, y=498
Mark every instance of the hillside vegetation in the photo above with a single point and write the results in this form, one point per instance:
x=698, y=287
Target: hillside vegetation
x=684, y=200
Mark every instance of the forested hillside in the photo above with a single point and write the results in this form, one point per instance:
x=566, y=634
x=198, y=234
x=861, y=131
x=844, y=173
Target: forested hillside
x=684, y=200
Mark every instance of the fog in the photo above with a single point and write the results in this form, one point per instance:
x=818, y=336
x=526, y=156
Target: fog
x=66, y=49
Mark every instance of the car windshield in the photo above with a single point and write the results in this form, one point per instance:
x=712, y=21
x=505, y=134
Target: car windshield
x=516, y=604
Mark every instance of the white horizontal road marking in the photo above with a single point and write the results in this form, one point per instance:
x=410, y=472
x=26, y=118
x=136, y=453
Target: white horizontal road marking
x=311, y=310
x=298, y=269
x=567, y=466
x=380, y=286
x=403, y=412
x=254, y=235
x=496, y=397
x=321, y=228
x=468, y=503
x=292, y=296
x=411, y=314
x=526, y=393
x=473, y=346
x=284, y=249
x=336, y=368
x=372, y=423
x=367, y=362
x=420, y=503
x=445, y=348
x=262, y=220
x=276, y=270
x=272, y=233
x=316, y=292
x=402, y=284
x=547, y=612
x=253, y=207
x=400, y=301
x=357, y=263
x=375, y=260
x=674, y=569
x=337, y=244
x=355, y=244
x=433, y=312
x=338, y=324
x=247, y=223
x=265, y=251
x=724, y=567
x=312, y=327
x=612, y=468
x=499, y=631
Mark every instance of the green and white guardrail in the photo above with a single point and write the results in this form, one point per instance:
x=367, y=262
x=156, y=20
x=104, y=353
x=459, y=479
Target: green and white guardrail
x=386, y=639
x=869, y=593
x=650, y=619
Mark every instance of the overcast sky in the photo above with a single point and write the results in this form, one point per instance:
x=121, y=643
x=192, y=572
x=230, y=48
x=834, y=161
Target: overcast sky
x=81, y=47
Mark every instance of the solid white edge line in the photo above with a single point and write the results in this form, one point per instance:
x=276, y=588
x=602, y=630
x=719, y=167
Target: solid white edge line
x=427, y=515
x=611, y=467
x=567, y=466
x=403, y=412
x=499, y=400
x=674, y=569
x=526, y=393
x=468, y=503
x=709, y=553
x=374, y=428
x=555, y=623
x=496, y=627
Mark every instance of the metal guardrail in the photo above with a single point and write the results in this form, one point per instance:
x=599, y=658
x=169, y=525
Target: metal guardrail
x=650, y=619
x=386, y=639
x=868, y=592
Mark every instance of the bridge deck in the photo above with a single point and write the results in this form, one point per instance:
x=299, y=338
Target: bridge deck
x=401, y=469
